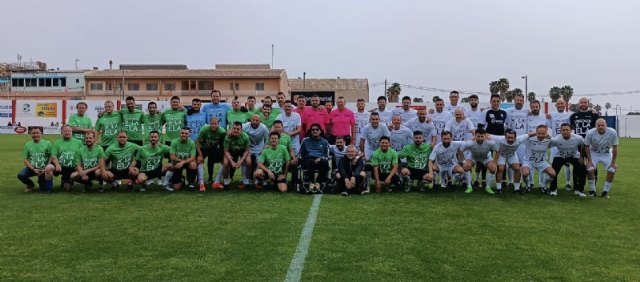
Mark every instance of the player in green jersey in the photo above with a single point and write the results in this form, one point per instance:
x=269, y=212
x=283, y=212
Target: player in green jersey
x=90, y=162
x=174, y=120
x=63, y=157
x=385, y=165
x=152, y=121
x=36, y=155
x=108, y=125
x=209, y=145
x=251, y=106
x=417, y=155
x=273, y=163
x=119, y=157
x=80, y=123
x=183, y=156
x=266, y=117
x=132, y=120
x=149, y=161
x=236, y=152
x=236, y=113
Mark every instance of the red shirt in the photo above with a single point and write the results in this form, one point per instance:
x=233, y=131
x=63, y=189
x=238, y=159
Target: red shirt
x=342, y=121
x=311, y=116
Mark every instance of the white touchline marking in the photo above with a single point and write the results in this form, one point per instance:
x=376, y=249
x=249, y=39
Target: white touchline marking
x=297, y=262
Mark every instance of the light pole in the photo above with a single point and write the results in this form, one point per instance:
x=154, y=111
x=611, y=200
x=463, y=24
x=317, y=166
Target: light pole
x=526, y=82
x=618, y=119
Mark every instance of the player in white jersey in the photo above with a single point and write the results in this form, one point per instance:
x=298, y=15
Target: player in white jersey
x=362, y=119
x=460, y=127
x=424, y=125
x=405, y=112
x=440, y=119
x=517, y=121
x=370, y=138
x=554, y=122
x=535, y=119
x=258, y=133
x=400, y=135
x=508, y=146
x=292, y=125
x=568, y=147
x=474, y=114
x=453, y=104
x=535, y=158
x=480, y=153
x=601, y=146
x=444, y=160
x=385, y=114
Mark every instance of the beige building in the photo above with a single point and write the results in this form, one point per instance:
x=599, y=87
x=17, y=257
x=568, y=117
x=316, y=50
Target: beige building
x=160, y=82
x=331, y=89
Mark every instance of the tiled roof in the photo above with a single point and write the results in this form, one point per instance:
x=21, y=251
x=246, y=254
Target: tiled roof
x=201, y=73
x=324, y=84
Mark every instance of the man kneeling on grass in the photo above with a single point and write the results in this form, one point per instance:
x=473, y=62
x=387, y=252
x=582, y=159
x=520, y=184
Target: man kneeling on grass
x=63, y=158
x=182, y=155
x=120, y=158
x=274, y=162
x=36, y=154
x=149, y=157
x=90, y=162
x=351, y=174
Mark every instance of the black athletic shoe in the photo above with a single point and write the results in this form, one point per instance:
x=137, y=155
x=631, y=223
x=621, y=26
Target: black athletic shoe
x=592, y=193
x=543, y=190
x=499, y=191
x=520, y=191
x=511, y=186
x=476, y=184
x=528, y=189
x=605, y=195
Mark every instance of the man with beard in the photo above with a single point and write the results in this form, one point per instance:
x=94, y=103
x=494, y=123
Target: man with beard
x=440, y=119
x=534, y=120
x=108, y=125
x=119, y=157
x=195, y=119
x=301, y=105
x=370, y=138
x=517, y=121
x=236, y=152
x=362, y=119
x=453, y=105
x=385, y=114
x=266, y=117
x=251, y=106
x=424, y=125
x=276, y=109
x=444, y=160
x=314, y=153
x=343, y=122
x=132, y=120
x=385, y=166
x=460, y=127
x=291, y=124
x=555, y=121
x=273, y=163
x=399, y=134
x=507, y=155
x=257, y=133
x=36, y=155
x=182, y=154
x=584, y=120
x=480, y=154
x=64, y=154
x=217, y=109
x=474, y=114
x=567, y=151
x=535, y=158
x=90, y=162
x=405, y=112
x=174, y=120
x=601, y=146
x=315, y=114
x=149, y=160
x=417, y=155
x=236, y=113
x=152, y=121
x=209, y=145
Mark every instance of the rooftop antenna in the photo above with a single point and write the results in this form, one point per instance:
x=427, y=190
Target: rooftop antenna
x=77, y=60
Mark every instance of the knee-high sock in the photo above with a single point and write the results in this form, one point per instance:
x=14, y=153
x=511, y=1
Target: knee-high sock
x=167, y=178
x=201, y=173
x=567, y=174
x=607, y=186
x=219, y=175
x=243, y=170
x=191, y=175
x=468, y=177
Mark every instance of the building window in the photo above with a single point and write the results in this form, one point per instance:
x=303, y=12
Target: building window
x=113, y=86
x=133, y=86
x=205, y=85
x=152, y=87
x=77, y=80
x=236, y=88
x=63, y=82
x=48, y=82
x=31, y=82
x=259, y=86
x=56, y=82
x=41, y=82
x=170, y=86
x=96, y=86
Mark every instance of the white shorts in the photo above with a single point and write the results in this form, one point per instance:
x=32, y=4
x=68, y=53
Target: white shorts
x=448, y=170
x=522, y=149
x=604, y=159
x=513, y=159
x=540, y=166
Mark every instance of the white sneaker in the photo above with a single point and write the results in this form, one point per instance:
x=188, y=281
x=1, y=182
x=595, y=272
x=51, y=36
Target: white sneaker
x=580, y=194
x=168, y=188
x=553, y=193
x=149, y=182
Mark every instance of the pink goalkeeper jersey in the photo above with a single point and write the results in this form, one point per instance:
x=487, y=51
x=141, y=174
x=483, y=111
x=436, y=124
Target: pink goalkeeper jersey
x=342, y=121
x=311, y=116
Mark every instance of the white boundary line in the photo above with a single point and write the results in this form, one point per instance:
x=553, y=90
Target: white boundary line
x=297, y=262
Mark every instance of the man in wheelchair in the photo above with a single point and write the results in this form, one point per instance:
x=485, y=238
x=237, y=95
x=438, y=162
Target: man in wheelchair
x=314, y=156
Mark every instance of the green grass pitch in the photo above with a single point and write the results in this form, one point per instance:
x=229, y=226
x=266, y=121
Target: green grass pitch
x=252, y=235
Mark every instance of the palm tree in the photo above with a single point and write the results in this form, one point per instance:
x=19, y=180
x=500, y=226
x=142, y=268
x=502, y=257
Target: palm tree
x=465, y=100
x=531, y=96
x=393, y=92
x=511, y=94
x=503, y=87
x=493, y=87
x=566, y=92
x=417, y=100
x=598, y=108
x=555, y=93
x=607, y=106
x=435, y=98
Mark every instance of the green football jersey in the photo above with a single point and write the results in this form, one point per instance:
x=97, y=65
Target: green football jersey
x=275, y=159
x=233, y=116
x=174, y=121
x=183, y=150
x=83, y=122
x=384, y=160
x=120, y=157
x=150, y=158
x=237, y=144
x=285, y=140
x=109, y=125
x=132, y=123
x=268, y=121
x=66, y=151
x=151, y=123
x=210, y=140
x=89, y=158
x=417, y=157
x=38, y=154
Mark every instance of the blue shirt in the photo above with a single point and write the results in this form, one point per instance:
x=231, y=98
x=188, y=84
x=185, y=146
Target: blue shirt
x=218, y=111
x=195, y=122
x=314, y=148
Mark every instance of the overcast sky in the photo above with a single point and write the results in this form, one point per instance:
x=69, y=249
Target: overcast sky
x=463, y=45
